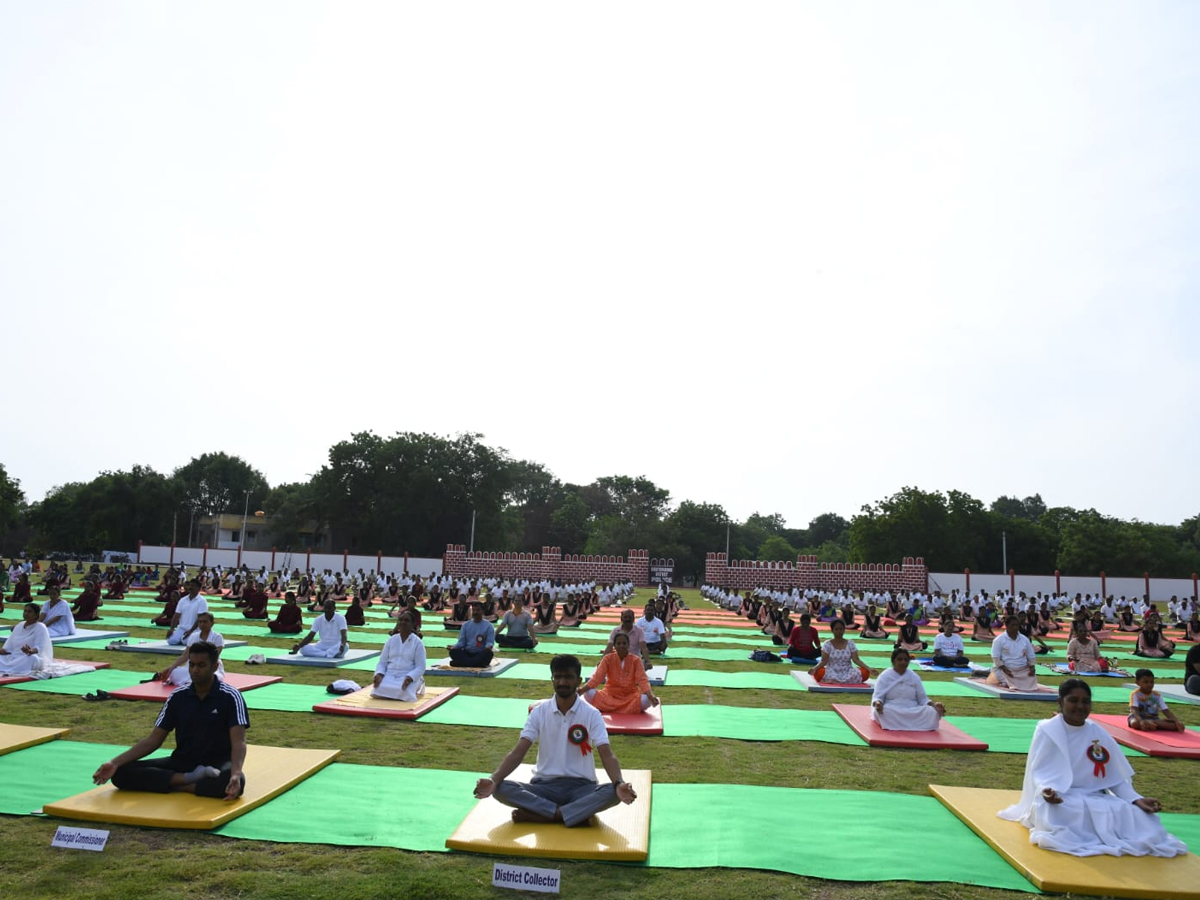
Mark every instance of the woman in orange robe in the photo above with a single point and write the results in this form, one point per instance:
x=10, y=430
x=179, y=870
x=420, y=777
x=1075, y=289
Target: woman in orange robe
x=626, y=688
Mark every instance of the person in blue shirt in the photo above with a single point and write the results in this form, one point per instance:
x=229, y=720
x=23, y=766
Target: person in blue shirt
x=473, y=649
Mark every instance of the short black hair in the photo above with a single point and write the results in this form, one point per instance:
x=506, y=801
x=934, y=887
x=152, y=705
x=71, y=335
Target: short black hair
x=211, y=650
x=565, y=662
x=1137, y=676
x=1072, y=684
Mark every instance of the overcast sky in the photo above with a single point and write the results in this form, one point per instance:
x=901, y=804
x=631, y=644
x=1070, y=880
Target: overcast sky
x=786, y=257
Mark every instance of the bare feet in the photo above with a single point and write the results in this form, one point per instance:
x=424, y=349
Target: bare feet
x=524, y=815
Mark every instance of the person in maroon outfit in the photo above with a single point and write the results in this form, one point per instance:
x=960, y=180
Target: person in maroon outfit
x=290, y=619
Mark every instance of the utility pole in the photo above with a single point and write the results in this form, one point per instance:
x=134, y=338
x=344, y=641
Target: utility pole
x=1004, y=550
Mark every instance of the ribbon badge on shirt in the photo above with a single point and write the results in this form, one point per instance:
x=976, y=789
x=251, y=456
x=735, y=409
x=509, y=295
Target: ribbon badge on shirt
x=1099, y=757
x=578, y=736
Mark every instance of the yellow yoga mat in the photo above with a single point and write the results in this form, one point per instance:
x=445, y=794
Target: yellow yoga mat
x=269, y=772
x=1151, y=877
x=18, y=737
x=361, y=703
x=621, y=832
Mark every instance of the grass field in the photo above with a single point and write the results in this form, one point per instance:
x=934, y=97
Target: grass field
x=154, y=863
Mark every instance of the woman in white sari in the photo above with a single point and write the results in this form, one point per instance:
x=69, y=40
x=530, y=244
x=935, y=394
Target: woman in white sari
x=1078, y=797
x=899, y=702
x=28, y=648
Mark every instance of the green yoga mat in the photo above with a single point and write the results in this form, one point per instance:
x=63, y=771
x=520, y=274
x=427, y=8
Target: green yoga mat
x=704, y=678
x=752, y=827
x=85, y=683
x=413, y=809
x=1005, y=735
x=283, y=697
x=753, y=724
x=51, y=771
x=492, y=712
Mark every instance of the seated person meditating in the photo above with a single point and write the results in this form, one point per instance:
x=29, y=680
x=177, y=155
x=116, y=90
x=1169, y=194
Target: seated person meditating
x=839, y=659
x=356, y=616
x=87, y=605
x=981, y=629
x=1147, y=709
x=56, y=614
x=804, y=641
x=460, y=612
x=209, y=719
x=171, y=604
x=289, y=619
x=545, y=620
x=473, y=649
x=1126, y=622
x=1083, y=651
x=400, y=672
x=637, y=638
x=27, y=648
x=899, y=702
x=626, y=688
x=948, y=651
x=253, y=602
x=872, y=626
x=1078, y=797
x=177, y=673
x=1151, y=642
x=654, y=630
x=909, y=637
x=1013, y=659
x=190, y=605
x=564, y=789
x=329, y=629
x=519, y=625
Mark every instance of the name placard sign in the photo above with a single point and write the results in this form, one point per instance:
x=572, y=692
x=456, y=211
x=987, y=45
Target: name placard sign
x=526, y=878
x=79, y=838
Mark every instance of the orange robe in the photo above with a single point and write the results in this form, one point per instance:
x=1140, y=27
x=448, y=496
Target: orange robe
x=624, y=684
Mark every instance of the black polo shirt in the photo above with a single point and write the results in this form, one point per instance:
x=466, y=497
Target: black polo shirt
x=202, y=726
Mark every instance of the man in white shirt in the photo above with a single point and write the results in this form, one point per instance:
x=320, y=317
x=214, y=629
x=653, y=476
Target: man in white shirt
x=564, y=788
x=189, y=607
x=948, y=648
x=654, y=630
x=330, y=631
x=1013, y=659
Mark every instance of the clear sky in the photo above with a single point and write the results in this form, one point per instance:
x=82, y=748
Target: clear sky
x=786, y=257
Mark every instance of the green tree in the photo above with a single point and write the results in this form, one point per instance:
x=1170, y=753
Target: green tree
x=571, y=522
x=216, y=483
x=414, y=492
x=691, y=532
x=776, y=549
x=113, y=511
x=12, y=501
x=1030, y=509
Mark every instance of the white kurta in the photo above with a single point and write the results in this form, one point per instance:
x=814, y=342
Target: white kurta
x=180, y=675
x=400, y=659
x=17, y=661
x=905, y=703
x=66, y=619
x=1017, y=654
x=329, y=636
x=1097, y=815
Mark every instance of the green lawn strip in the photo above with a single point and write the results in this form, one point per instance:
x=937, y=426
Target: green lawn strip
x=380, y=806
x=750, y=826
x=706, y=678
x=84, y=683
x=757, y=724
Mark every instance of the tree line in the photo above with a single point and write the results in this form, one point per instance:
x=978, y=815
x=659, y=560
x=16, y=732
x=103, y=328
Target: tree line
x=415, y=493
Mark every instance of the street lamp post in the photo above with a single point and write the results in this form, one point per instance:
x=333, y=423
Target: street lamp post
x=242, y=535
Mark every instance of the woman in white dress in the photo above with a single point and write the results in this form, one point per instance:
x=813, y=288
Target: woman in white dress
x=839, y=659
x=177, y=672
x=400, y=672
x=1077, y=797
x=899, y=702
x=28, y=648
x=56, y=614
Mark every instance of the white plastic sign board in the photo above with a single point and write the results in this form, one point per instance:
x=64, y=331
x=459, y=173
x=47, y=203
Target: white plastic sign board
x=526, y=878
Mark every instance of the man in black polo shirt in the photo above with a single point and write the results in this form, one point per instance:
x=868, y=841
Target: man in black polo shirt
x=209, y=720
